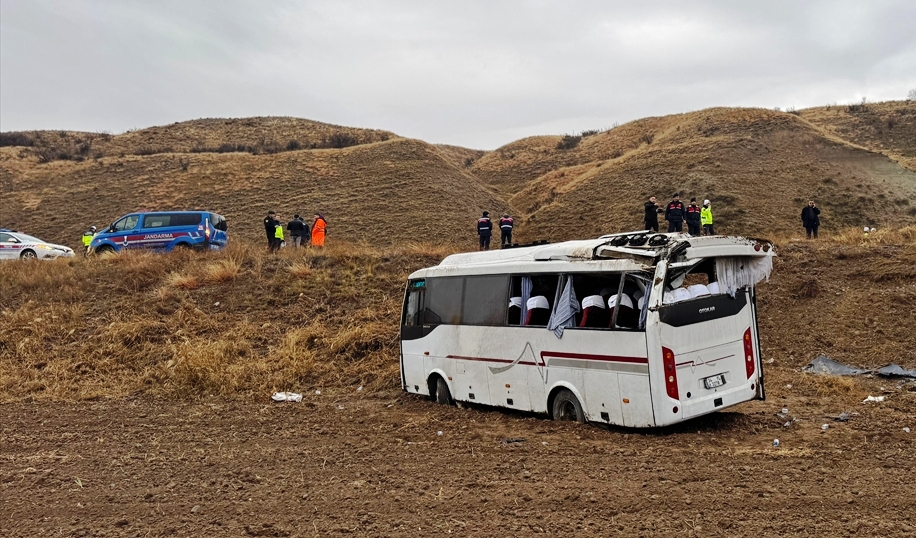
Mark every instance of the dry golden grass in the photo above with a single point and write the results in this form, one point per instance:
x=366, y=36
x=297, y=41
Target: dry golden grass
x=182, y=281
x=888, y=127
x=163, y=324
x=223, y=271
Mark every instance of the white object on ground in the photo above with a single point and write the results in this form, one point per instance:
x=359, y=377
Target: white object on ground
x=439, y=433
x=873, y=399
x=825, y=426
x=317, y=392
x=775, y=442
x=906, y=430
x=286, y=397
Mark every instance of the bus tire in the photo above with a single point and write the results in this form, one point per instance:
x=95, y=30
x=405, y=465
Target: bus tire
x=567, y=407
x=443, y=395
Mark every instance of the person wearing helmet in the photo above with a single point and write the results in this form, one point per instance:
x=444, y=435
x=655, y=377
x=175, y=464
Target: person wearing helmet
x=87, y=238
x=706, y=219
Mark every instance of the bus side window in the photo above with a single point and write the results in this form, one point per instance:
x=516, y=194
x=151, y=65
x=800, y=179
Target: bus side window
x=485, y=300
x=628, y=313
x=443, y=300
x=544, y=286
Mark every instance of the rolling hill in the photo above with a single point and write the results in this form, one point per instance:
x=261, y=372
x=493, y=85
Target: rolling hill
x=757, y=166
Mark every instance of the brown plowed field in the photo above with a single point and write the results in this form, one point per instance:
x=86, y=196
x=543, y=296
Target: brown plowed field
x=375, y=465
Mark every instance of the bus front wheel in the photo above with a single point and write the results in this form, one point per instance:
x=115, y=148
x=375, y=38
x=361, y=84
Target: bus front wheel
x=567, y=407
x=443, y=396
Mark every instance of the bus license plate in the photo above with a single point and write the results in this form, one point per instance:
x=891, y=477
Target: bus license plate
x=714, y=381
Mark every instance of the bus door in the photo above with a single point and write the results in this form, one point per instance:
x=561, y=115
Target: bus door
x=413, y=329
x=707, y=339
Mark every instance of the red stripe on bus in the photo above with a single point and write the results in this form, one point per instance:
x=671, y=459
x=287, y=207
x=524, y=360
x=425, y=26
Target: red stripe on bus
x=587, y=357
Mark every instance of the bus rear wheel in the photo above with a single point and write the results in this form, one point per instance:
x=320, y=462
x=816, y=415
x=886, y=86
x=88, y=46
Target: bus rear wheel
x=567, y=407
x=443, y=396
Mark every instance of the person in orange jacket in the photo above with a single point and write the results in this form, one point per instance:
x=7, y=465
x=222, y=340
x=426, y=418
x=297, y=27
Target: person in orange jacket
x=319, y=230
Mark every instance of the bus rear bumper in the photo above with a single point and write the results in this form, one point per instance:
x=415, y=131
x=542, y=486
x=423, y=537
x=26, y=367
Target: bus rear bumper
x=711, y=403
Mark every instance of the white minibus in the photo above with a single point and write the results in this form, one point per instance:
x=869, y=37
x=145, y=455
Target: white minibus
x=635, y=329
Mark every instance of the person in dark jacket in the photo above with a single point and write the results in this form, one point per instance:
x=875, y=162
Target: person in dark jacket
x=674, y=214
x=692, y=216
x=297, y=230
x=270, y=227
x=484, y=230
x=506, y=223
x=810, y=219
x=652, y=211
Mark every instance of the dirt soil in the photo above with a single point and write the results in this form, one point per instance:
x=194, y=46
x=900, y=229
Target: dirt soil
x=377, y=465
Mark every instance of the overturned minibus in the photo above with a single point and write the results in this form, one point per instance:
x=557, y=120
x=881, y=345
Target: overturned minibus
x=634, y=329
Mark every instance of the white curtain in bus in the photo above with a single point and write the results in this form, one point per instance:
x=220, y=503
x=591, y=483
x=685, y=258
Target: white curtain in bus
x=526, y=294
x=739, y=271
x=564, y=313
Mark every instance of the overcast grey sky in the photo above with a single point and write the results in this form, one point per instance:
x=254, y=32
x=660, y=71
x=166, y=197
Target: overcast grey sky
x=476, y=74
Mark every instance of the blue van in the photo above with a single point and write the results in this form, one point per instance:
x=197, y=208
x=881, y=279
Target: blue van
x=164, y=230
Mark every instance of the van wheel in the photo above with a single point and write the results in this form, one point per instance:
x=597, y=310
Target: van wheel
x=28, y=255
x=443, y=396
x=104, y=249
x=567, y=407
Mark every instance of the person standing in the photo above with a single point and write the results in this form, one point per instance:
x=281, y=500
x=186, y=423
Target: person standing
x=506, y=223
x=810, y=219
x=87, y=238
x=706, y=219
x=651, y=218
x=484, y=230
x=296, y=229
x=319, y=230
x=278, y=235
x=674, y=214
x=270, y=225
x=692, y=217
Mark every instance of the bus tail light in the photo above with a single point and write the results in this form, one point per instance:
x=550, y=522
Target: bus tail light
x=748, y=353
x=670, y=373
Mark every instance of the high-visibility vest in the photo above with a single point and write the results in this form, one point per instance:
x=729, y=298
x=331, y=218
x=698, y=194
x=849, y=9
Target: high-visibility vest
x=87, y=238
x=706, y=215
x=278, y=232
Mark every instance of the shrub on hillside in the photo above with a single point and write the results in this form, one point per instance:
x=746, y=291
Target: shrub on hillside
x=149, y=150
x=293, y=145
x=16, y=139
x=339, y=140
x=568, y=142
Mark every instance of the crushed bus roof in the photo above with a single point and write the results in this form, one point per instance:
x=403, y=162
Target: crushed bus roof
x=629, y=251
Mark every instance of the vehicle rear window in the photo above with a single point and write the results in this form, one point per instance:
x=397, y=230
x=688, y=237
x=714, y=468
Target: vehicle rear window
x=161, y=220
x=219, y=222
